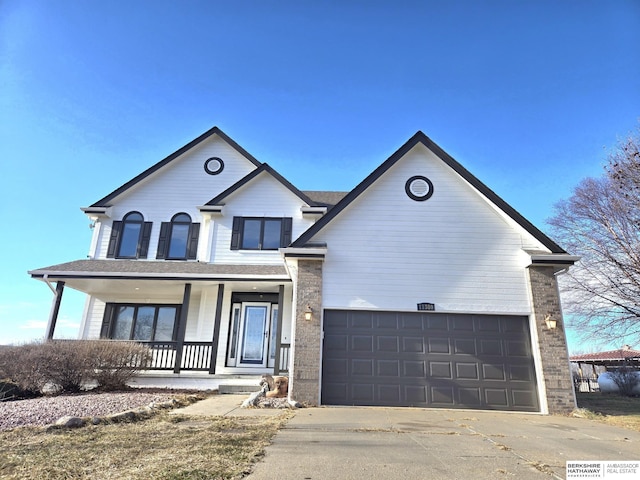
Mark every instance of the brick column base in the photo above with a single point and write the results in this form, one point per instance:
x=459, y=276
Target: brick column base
x=552, y=343
x=304, y=379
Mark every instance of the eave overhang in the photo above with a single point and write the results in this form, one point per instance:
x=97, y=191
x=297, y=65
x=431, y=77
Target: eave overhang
x=552, y=259
x=311, y=252
x=95, y=213
x=155, y=270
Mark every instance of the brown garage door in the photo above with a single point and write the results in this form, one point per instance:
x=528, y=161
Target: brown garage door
x=428, y=360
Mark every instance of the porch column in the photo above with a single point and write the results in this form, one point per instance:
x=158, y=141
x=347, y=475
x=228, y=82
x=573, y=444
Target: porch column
x=182, y=327
x=216, y=330
x=276, y=366
x=556, y=370
x=55, y=309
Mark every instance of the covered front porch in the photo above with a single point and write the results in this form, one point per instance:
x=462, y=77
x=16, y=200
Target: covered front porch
x=230, y=322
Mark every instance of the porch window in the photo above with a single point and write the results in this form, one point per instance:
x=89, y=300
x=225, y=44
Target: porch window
x=142, y=323
x=179, y=238
x=262, y=233
x=129, y=237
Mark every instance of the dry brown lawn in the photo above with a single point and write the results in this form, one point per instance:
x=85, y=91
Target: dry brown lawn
x=611, y=409
x=163, y=447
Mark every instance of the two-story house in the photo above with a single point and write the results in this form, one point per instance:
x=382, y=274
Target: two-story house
x=420, y=287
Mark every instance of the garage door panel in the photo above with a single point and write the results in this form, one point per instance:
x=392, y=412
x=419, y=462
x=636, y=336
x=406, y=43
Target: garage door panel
x=465, y=346
x=433, y=359
x=496, y=397
x=388, y=368
x=361, y=320
x=388, y=343
x=467, y=371
x=413, y=344
x=469, y=397
x=525, y=399
x=336, y=343
x=415, y=395
x=442, y=396
x=412, y=368
x=386, y=320
x=491, y=347
x=362, y=367
x=362, y=343
x=440, y=370
x=437, y=321
x=438, y=345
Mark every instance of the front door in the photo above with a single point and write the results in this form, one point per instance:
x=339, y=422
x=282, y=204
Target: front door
x=254, y=334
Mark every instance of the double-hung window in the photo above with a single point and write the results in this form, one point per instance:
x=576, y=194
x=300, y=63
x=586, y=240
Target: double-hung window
x=129, y=237
x=260, y=233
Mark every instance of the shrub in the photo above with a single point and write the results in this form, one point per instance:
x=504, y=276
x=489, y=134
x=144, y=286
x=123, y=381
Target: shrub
x=67, y=364
x=115, y=363
x=10, y=390
x=23, y=367
x=627, y=379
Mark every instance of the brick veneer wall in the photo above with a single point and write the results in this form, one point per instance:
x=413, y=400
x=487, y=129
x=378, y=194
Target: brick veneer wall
x=553, y=343
x=304, y=380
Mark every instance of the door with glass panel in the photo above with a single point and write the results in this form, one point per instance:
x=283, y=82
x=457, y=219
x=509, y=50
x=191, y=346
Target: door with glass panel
x=251, y=339
x=254, y=334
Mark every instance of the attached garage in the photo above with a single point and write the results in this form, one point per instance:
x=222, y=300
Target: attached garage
x=428, y=359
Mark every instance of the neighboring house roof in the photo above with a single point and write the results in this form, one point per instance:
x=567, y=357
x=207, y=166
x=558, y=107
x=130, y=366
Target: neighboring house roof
x=420, y=137
x=328, y=199
x=155, y=269
x=219, y=199
x=624, y=353
x=213, y=131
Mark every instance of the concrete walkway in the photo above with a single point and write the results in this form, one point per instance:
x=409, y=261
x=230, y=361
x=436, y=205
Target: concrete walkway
x=346, y=443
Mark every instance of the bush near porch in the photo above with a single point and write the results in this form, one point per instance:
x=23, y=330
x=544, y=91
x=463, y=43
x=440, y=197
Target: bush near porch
x=68, y=366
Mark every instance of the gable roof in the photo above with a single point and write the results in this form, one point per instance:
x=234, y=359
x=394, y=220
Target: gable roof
x=103, y=202
x=624, y=353
x=217, y=200
x=325, y=198
x=420, y=137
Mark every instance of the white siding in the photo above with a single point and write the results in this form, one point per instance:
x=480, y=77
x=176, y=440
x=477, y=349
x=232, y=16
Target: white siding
x=386, y=251
x=263, y=197
x=180, y=186
x=93, y=320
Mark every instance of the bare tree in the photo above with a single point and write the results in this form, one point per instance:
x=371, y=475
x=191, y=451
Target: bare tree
x=601, y=223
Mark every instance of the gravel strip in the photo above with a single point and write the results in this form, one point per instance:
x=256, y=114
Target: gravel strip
x=46, y=410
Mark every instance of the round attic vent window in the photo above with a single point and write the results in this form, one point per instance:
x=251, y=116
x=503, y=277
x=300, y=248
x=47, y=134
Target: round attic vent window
x=213, y=166
x=419, y=188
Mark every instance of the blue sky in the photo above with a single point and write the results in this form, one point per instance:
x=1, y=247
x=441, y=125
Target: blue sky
x=530, y=96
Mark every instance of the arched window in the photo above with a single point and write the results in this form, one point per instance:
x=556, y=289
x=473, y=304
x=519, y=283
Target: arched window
x=129, y=237
x=178, y=238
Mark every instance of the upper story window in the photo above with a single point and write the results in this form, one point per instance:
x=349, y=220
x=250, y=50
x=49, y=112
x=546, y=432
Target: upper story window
x=129, y=237
x=260, y=233
x=178, y=238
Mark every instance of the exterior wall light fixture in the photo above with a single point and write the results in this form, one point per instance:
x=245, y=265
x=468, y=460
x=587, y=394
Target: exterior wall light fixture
x=551, y=323
x=308, y=313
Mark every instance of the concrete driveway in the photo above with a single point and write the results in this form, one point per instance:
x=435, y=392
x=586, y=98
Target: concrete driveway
x=345, y=443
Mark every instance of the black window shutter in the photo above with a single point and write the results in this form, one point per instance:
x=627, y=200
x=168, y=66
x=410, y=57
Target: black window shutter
x=116, y=228
x=192, y=247
x=105, y=331
x=285, y=238
x=163, y=240
x=235, y=233
x=144, y=241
